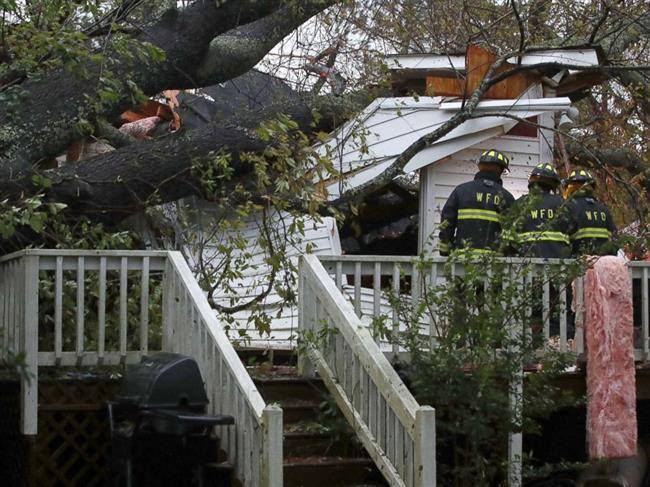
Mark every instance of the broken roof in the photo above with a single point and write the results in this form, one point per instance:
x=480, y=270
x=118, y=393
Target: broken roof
x=366, y=146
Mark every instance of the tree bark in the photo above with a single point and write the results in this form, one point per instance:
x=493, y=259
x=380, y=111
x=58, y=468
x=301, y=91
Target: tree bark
x=116, y=184
x=54, y=108
x=613, y=157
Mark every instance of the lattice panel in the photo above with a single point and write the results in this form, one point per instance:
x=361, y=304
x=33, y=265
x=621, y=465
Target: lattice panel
x=75, y=394
x=72, y=445
x=71, y=449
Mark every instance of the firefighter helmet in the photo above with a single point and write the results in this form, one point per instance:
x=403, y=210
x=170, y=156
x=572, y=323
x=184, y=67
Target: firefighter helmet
x=494, y=157
x=580, y=176
x=544, y=173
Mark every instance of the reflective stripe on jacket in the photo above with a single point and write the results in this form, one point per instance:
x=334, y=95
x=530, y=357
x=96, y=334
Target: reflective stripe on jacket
x=542, y=227
x=471, y=217
x=591, y=226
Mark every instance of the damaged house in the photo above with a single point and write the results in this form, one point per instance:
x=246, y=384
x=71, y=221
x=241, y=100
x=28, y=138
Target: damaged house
x=516, y=117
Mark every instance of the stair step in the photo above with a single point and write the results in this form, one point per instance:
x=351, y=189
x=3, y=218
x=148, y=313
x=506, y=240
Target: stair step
x=276, y=389
x=318, y=471
x=313, y=456
x=251, y=356
x=296, y=410
x=309, y=444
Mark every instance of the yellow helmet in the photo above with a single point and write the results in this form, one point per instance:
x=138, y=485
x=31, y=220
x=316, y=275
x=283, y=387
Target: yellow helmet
x=544, y=173
x=494, y=157
x=580, y=176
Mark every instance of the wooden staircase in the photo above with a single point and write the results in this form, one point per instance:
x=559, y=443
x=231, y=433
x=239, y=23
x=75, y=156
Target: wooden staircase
x=319, y=448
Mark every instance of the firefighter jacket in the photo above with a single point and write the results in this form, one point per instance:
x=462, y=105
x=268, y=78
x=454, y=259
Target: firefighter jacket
x=471, y=217
x=541, y=225
x=591, y=226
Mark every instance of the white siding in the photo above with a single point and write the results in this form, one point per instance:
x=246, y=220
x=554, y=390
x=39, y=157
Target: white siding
x=387, y=127
x=321, y=236
x=461, y=167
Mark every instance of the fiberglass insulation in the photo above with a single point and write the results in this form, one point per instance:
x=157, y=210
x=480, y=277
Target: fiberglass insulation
x=611, y=391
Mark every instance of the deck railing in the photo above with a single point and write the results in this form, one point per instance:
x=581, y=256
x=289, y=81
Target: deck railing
x=87, y=308
x=364, y=284
x=397, y=432
x=367, y=280
x=640, y=274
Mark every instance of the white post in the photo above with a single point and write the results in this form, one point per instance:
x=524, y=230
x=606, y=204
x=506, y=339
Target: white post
x=427, y=227
x=29, y=345
x=425, y=447
x=168, y=305
x=272, y=431
x=306, y=310
x=516, y=390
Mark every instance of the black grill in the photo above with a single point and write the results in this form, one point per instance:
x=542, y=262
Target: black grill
x=160, y=434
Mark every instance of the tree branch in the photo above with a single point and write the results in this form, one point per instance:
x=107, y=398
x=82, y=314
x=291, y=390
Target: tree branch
x=412, y=150
x=239, y=50
x=56, y=105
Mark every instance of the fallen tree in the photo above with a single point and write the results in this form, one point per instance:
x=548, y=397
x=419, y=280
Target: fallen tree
x=196, y=46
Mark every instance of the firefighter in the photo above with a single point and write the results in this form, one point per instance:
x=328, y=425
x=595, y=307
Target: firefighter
x=591, y=225
x=542, y=224
x=471, y=217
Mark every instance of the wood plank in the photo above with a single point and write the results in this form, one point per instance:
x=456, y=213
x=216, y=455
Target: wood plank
x=101, y=309
x=29, y=386
x=272, y=430
x=373, y=404
x=123, y=304
x=58, y=307
x=144, y=306
x=433, y=332
x=390, y=436
x=357, y=288
x=376, y=290
x=113, y=263
x=339, y=277
x=478, y=62
x=246, y=445
x=425, y=447
x=441, y=85
x=364, y=396
x=408, y=460
x=89, y=358
x=395, y=286
x=398, y=431
x=81, y=306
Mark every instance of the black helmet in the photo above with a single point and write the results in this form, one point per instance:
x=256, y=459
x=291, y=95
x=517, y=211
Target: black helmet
x=544, y=173
x=580, y=176
x=494, y=157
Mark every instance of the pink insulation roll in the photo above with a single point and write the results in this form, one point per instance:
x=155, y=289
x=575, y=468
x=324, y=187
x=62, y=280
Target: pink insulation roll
x=611, y=389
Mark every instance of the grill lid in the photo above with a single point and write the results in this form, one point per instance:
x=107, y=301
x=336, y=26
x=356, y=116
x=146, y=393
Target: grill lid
x=163, y=380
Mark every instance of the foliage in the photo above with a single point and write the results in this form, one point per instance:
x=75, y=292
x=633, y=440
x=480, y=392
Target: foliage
x=15, y=363
x=251, y=236
x=488, y=324
x=34, y=219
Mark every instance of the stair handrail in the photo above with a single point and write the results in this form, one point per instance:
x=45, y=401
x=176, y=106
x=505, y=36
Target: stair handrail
x=397, y=432
x=256, y=444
